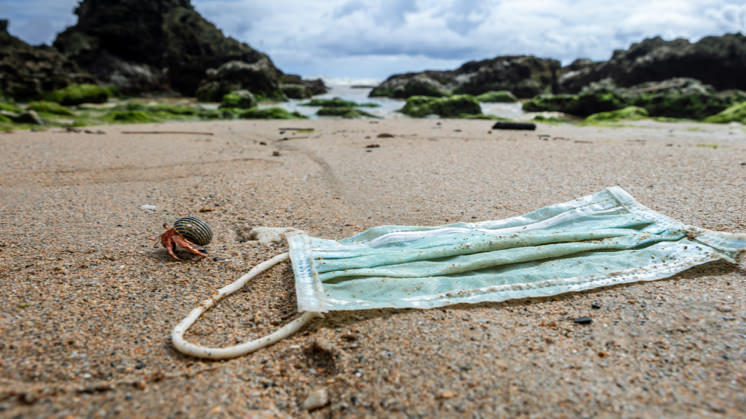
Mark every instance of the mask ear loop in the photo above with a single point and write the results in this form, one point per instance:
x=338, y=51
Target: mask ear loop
x=177, y=335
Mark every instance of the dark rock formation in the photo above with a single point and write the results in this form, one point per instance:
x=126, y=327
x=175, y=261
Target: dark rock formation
x=26, y=72
x=260, y=78
x=719, y=61
x=153, y=45
x=524, y=76
x=455, y=106
x=312, y=86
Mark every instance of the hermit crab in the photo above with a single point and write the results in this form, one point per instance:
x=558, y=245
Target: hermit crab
x=186, y=233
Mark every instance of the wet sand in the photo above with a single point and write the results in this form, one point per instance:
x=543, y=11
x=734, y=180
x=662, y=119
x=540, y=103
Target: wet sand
x=88, y=303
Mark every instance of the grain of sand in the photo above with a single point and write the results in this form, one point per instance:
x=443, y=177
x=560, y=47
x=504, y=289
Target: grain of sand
x=88, y=303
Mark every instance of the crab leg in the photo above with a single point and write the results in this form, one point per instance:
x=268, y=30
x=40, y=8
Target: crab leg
x=184, y=243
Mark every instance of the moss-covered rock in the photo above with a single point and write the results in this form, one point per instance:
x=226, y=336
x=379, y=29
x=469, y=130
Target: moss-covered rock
x=549, y=103
x=130, y=116
x=242, y=99
x=628, y=113
x=50, y=108
x=408, y=85
x=500, y=96
x=210, y=91
x=735, y=113
x=678, y=98
x=452, y=106
x=296, y=91
x=344, y=112
x=260, y=78
x=270, y=113
x=75, y=94
x=338, y=102
x=8, y=107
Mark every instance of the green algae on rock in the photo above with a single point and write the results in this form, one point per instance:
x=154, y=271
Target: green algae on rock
x=629, y=113
x=344, y=112
x=337, y=102
x=242, y=99
x=270, y=113
x=296, y=91
x=452, y=106
x=675, y=98
x=50, y=108
x=75, y=94
x=735, y=113
x=499, y=96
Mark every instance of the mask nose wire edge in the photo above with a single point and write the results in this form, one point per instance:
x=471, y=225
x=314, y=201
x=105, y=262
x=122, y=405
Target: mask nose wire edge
x=177, y=335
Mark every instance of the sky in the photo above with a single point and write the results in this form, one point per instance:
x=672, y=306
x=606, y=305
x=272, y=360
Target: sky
x=372, y=39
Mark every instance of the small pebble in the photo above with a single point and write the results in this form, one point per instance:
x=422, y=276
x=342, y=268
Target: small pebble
x=583, y=320
x=448, y=394
x=373, y=146
x=317, y=398
x=262, y=143
x=595, y=305
x=275, y=153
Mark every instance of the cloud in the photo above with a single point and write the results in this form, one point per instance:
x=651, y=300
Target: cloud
x=374, y=38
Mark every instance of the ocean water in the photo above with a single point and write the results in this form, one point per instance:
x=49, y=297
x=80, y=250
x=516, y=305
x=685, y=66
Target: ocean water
x=349, y=90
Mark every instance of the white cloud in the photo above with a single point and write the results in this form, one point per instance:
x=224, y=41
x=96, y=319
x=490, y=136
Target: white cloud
x=375, y=38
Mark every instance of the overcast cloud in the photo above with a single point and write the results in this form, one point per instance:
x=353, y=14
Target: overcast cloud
x=376, y=38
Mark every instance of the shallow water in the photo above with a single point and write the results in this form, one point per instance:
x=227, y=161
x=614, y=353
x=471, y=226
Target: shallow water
x=387, y=106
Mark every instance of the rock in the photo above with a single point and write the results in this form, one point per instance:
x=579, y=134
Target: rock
x=242, y=99
x=524, y=76
x=319, y=397
x=677, y=98
x=261, y=78
x=150, y=45
x=583, y=320
x=27, y=117
x=344, y=112
x=735, y=113
x=629, y=113
x=523, y=126
x=453, y=106
x=296, y=91
x=27, y=72
x=715, y=60
x=501, y=96
x=315, y=86
x=76, y=94
x=412, y=84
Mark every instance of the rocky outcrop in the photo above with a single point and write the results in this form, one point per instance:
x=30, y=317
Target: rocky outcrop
x=716, y=60
x=676, y=98
x=296, y=87
x=154, y=45
x=524, y=76
x=260, y=78
x=26, y=72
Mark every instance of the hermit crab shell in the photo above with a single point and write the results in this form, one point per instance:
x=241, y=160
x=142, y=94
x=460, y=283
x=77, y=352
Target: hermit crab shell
x=194, y=230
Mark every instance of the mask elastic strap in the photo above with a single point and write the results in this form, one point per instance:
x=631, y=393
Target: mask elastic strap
x=177, y=335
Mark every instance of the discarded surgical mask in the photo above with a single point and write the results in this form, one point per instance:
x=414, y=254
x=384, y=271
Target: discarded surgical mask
x=599, y=240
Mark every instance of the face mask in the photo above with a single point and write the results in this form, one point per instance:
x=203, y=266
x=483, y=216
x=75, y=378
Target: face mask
x=599, y=240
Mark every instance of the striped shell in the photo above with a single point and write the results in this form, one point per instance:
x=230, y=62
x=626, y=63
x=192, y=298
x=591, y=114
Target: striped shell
x=194, y=230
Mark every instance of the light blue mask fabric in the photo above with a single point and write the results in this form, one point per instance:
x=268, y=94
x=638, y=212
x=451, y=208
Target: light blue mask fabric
x=598, y=240
x=595, y=241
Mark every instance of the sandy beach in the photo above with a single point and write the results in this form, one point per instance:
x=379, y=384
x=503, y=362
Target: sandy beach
x=88, y=303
